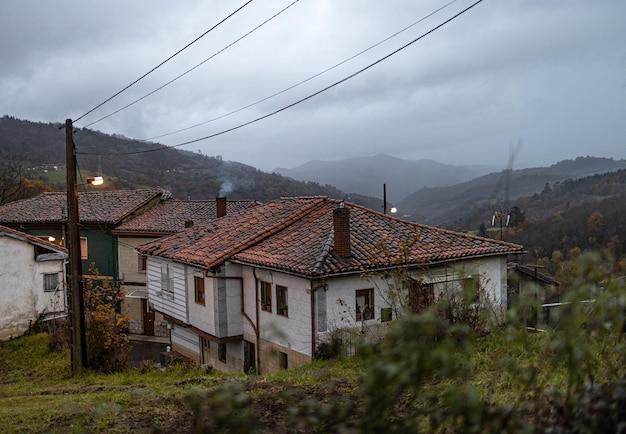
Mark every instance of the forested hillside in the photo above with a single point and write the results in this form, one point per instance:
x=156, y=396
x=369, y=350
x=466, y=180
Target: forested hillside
x=132, y=164
x=565, y=220
x=454, y=206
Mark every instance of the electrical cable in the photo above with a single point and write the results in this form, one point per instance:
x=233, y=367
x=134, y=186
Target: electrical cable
x=286, y=89
x=302, y=99
x=163, y=62
x=193, y=68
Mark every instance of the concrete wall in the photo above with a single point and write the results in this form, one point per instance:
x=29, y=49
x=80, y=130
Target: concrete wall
x=22, y=296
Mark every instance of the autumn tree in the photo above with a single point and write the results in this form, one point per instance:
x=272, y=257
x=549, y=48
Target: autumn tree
x=108, y=346
x=14, y=184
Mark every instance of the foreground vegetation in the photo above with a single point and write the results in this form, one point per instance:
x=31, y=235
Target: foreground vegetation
x=427, y=375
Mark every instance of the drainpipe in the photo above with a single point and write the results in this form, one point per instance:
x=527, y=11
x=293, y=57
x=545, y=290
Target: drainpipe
x=257, y=361
x=312, y=291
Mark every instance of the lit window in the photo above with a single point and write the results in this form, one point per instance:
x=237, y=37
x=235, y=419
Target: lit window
x=50, y=282
x=281, y=300
x=83, y=248
x=198, y=285
x=364, y=304
x=266, y=296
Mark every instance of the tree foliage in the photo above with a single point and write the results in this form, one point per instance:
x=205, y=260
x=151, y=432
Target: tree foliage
x=108, y=346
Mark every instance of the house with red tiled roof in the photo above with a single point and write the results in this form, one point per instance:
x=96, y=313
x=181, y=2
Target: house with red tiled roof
x=31, y=281
x=166, y=218
x=262, y=289
x=100, y=212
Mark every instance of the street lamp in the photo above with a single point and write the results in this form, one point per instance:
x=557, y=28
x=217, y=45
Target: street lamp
x=96, y=180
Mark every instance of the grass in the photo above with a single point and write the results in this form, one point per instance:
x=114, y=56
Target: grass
x=39, y=394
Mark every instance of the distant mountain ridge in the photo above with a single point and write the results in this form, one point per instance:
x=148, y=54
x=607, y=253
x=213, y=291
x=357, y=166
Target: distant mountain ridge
x=448, y=206
x=366, y=175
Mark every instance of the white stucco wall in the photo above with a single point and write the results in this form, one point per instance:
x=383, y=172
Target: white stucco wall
x=340, y=295
x=22, y=296
x=294, y=331
x=221, y=314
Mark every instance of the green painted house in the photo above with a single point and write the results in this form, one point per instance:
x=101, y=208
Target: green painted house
x=100, y=212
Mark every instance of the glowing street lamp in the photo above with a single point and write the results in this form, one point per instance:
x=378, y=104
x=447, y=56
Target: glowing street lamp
x=96, y=180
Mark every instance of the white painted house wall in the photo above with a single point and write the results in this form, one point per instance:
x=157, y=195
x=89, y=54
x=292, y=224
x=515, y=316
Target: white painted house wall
x=293, y=331
x=171, y=300
x=221, y=314
x=22, y=296
x=340, y=301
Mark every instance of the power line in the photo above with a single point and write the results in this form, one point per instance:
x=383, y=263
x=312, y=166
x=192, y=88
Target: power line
x=288, y=88
x=302, y=99
x=195, y=67
x=163, y=62
x=305, y=80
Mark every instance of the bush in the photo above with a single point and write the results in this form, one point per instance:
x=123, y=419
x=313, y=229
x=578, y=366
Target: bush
x=108, y=346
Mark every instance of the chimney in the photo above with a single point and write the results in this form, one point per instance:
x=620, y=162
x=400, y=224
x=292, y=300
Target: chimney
x=220, y=206
x=188, y=224
x=341, y=225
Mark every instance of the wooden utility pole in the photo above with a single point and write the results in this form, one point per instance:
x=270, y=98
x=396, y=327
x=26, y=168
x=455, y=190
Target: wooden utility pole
x=77, y=305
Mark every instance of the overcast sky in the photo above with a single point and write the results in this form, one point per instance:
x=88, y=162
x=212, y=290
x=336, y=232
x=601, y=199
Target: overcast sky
x=551, y=74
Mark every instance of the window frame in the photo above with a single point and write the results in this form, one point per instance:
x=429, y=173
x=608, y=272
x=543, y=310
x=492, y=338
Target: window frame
x=199, y=290
x=46, y=285
x=142, y=264
x=368, y=313
x=84, y=251
x=221, y=352
x=166, y=279
x=266, y=296
x=282, y=308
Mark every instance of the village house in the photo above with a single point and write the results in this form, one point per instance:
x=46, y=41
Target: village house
x=100, y=211
x=166, y=218
x=261, y=289
x=32, y=283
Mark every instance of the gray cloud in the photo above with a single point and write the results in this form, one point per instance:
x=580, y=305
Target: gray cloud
x=553, y=73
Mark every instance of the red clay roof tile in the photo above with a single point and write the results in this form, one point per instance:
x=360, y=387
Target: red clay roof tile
x=4, y=231
x=170, y=216
x=296, y=235
x=106, y=207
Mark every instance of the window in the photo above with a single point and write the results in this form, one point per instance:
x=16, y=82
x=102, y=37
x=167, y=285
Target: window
x=206, y=344
x=386, y=314
x=421, y=295
x=281, y=300
x=198, y=286
x=266, y=296
x=221, y=352
x=143, y=263
x=83, y=248
x=50, y=282
x=471, y=289
x=364, y=304
x=283, y=360
x=166, y=280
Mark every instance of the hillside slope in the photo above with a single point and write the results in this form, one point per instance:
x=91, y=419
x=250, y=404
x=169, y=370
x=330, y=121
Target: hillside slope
x=453, y=206
x=131, y=164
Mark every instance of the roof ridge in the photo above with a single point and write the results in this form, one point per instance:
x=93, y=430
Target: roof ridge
x=271, y=231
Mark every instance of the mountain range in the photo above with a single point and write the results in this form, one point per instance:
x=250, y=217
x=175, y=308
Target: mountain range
x=367, y=175
x=423, y=190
